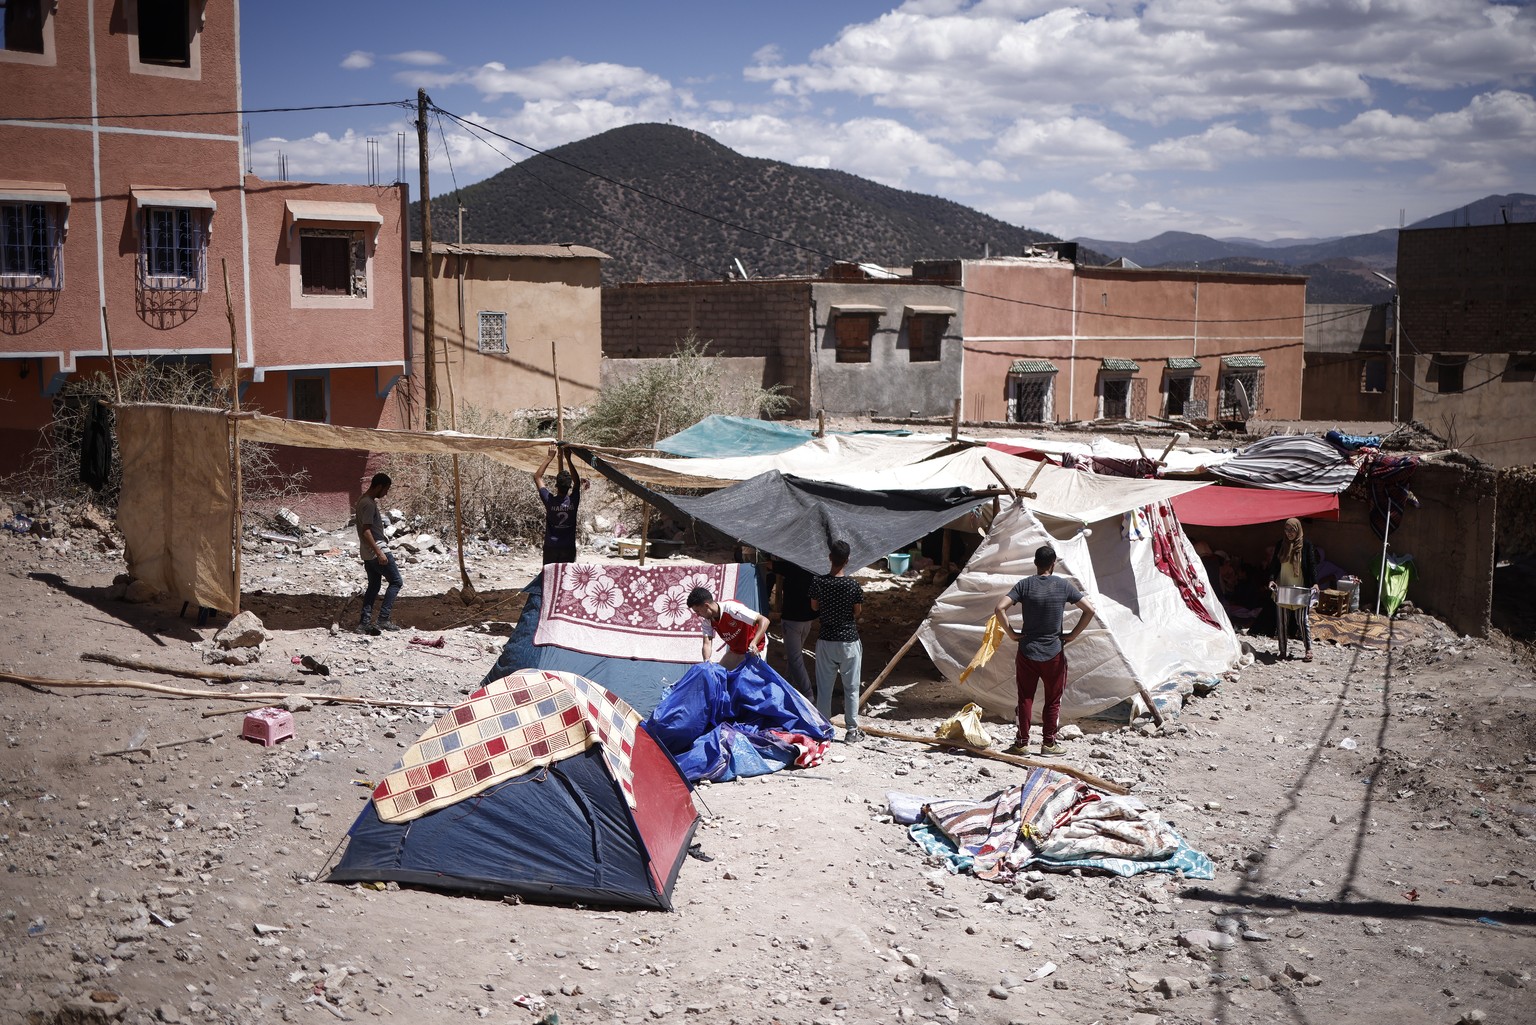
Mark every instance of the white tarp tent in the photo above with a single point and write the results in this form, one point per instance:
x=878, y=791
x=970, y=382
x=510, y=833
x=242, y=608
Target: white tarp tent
x=1143, y=633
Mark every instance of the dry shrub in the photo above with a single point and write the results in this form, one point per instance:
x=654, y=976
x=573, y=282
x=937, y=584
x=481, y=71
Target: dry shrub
x=499, y=501
x=681, y=390
x=53, y=473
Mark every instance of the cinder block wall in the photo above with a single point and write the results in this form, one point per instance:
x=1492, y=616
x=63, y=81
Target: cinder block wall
x=763, y=320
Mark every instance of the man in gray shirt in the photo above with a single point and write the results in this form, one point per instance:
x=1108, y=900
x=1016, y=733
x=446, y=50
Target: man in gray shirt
x=1042, y=599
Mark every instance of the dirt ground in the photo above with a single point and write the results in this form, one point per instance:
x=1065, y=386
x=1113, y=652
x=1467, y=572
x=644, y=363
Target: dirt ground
x=1371, y=816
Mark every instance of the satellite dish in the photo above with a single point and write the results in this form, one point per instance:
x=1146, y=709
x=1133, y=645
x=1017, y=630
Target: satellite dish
x=1240, y=393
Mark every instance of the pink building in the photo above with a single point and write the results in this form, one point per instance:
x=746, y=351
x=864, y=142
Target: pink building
x=103, y=207
x=1048, y=340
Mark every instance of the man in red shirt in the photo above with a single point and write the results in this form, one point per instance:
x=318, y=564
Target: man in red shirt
x=739, y=627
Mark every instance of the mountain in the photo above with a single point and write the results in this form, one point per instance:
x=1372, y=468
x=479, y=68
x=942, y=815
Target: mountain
x=792, y=220
x=1339, y=269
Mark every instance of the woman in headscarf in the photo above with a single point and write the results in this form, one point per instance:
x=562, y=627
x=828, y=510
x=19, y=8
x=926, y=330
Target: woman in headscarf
x=1294, y=565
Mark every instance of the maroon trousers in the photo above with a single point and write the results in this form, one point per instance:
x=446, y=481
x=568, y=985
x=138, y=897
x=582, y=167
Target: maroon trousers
x=1053, y=673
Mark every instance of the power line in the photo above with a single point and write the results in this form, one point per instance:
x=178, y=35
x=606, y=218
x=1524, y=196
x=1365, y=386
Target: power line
x=519, y=166
x=213, y=113
x=961, y=289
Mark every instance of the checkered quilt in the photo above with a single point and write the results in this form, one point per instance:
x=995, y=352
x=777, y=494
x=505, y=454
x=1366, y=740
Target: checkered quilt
x=509, y=727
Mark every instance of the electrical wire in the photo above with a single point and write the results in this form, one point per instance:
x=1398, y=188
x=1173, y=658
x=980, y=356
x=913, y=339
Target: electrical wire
x=521, y=168
x=960, y=289
x=214, y=113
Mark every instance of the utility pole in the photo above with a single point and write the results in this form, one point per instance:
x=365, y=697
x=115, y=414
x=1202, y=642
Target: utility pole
x=428, y=305
x=1397, y=328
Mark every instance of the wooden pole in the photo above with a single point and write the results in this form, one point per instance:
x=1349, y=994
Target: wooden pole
x=1139, y=448
x=1000, y=479
x=106, y=333
x=944, y=552
x=208, y=673
x=889, y=666
x=210, y=695
x=998, y=756
x=236, y=513
x=1168, y=448
x=554, y=367
x=645, y=507
x=954, y=423
x=428, y=300
x=821, y=423
x=1029, y=485
x=1157, y=717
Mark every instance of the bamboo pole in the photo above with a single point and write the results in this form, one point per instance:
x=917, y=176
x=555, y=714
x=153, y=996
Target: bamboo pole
x=1019, y=760
x=106, y=334
x=210, y=695
x=237, y=512
x=875, y=684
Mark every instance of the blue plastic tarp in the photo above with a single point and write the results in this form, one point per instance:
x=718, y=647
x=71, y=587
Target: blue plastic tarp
x=720, y=436
x=714, y=720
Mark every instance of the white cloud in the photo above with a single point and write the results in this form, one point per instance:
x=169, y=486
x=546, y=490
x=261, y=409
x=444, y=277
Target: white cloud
x=564, y=78
x=1063, y=140
x=419, y=58
x=357, y=60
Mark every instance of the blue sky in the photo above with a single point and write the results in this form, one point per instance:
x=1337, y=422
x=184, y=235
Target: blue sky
x=1118, y=120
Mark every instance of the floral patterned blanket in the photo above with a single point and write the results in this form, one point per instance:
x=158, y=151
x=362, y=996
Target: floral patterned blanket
x=627, y=611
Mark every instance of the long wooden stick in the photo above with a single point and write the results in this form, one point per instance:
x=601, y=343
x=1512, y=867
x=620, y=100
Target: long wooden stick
x=142, y=666
x=236, y=512
x=151, y=749
x=1167, y=448
x=1028, y=491
x=875, y=684
x=554, y=368
x=106, y=334
x=211, y=695
x=1157, y=716
x=998, y=756
x=1012, y=492
x=233, y=711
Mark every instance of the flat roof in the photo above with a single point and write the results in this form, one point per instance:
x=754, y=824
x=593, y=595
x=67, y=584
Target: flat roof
x=546, y=251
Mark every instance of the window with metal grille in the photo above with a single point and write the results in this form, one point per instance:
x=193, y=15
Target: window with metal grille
x=925, y=337
x=1030, y=398
x=165, y=33
x=309, y=399
x=1181, y=389
x=30, y=250
x=1373, y=377
x=1247, y=382
x=173, y=248
x=493, y=331
x=854, y=332
x=1114, y=398
x=333, y=262
x=21, y=26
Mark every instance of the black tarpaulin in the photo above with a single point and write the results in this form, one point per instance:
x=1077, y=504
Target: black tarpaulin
x=796, y=519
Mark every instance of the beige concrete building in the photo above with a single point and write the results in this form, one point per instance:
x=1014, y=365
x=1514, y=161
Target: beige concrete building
x=506, y=318
x=1468, y=303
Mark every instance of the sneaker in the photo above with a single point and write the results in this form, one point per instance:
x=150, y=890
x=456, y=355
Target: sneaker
x=369, y=630
x=853, y=736
x=389, y=626
x=1016, y=748
x=1052, y=749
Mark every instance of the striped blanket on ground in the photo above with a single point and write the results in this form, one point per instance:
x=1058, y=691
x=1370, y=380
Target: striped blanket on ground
x=510, y=726
x=1052, y=821
x=627, y=611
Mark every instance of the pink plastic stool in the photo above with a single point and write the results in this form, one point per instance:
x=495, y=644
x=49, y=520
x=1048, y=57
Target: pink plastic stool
x=267, y=726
